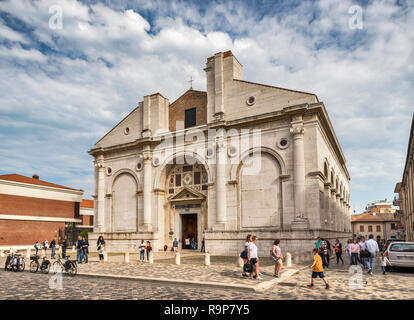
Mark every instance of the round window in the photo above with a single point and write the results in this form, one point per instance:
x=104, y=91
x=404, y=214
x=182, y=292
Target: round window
x=283, y=143
x=108, y=171
x=126, y=131
x=156, y=161
x=251, y=100
x=139, y=166
x=210, y=152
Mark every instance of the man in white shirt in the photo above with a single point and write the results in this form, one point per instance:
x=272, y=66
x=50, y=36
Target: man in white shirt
x=372, y=247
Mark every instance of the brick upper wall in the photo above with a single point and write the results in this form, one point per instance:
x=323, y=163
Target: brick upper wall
x=190, y=99
x=27, y=206
x=14, y=232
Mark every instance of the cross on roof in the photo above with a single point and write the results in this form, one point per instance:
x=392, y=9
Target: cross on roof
x=191, y=82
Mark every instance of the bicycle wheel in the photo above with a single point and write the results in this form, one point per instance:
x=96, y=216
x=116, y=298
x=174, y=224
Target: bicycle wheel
x=45, y=267
x=34, y=266
x=21, y=267
x=57, y=267
x=72, y=270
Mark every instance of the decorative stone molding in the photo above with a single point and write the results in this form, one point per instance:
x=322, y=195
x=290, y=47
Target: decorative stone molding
x=219, y=116
x=297, y=129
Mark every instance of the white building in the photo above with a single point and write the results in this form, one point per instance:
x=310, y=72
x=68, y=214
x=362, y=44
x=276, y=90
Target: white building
x=240, y=158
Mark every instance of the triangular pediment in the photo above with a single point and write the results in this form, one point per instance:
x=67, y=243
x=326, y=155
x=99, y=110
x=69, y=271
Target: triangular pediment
x=187, y=193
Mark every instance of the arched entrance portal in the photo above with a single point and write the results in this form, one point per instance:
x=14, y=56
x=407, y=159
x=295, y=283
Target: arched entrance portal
x=187, y=191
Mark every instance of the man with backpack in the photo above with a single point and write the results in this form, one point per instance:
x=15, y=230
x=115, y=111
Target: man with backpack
x=323, y=251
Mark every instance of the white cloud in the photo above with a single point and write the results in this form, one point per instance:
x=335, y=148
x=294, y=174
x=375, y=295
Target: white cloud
x=105, y=60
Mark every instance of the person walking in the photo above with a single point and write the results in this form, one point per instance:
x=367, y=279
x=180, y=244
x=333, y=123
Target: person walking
x=53, y=247
x=175, y=245
x=348, y=250
x=328, y=251
x=323, y=251
x=142, y=248
x=100, y=245
x=85, y=249
x=245, y=254
x=254, y=258
x=37, y=246
x=148, y=249
x=45, y=244
x=317, y=270
x=384, y=263
x=165, y=249
x=203, y=245
x=372, y=247
x=338, y=251
x=355, y=250
x=79, y=249
x=64, y=245
x=277, y=256
x=362, y=252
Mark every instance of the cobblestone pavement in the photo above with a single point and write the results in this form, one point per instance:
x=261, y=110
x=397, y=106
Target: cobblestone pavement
x=398, y=284
x=222, y=270
x=27, y=286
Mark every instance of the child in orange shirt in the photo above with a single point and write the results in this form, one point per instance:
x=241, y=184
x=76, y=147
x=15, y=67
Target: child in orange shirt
x=317, y=267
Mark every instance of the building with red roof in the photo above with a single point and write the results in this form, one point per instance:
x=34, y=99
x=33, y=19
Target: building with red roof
x=35, y=210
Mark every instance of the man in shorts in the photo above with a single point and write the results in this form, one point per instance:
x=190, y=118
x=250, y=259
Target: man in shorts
x=317, y=269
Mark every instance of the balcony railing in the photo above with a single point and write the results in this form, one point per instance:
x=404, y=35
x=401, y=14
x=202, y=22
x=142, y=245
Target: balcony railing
x=396, y=202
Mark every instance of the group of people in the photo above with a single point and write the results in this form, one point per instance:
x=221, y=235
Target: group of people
x=82, y=249
x=45, y=245
x=144, y=248
x=251, y=267
x=364, y=252
x=358, y=250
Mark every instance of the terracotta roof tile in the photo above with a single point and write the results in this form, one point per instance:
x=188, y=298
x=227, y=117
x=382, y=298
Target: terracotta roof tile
x=24, y=179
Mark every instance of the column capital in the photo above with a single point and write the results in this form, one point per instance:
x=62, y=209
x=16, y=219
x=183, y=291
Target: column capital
x=100, y=164
x=297, y=129
x=147, y=156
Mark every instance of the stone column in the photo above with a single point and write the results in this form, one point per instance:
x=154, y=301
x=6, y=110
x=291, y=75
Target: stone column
x=327, y=204
x=221, y=218
x=301, y=220
x=147, y=226
x=339, y=213
x=100, y=205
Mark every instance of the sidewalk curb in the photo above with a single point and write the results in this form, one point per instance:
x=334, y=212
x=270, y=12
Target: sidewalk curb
x=166, y=280
x=269, y=284
x=257, y=287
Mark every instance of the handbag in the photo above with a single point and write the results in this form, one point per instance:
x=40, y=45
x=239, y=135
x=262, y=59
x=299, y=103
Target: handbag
x=248, y=267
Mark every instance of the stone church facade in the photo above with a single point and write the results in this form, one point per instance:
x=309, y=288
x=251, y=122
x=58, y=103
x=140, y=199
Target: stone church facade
x=240, y=158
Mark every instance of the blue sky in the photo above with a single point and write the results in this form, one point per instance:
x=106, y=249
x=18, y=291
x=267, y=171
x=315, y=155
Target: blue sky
x=63, y=89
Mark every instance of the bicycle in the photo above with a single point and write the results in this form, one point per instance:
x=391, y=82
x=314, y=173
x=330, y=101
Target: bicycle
x=44, y=266
x=14, y=262
x=69, y=266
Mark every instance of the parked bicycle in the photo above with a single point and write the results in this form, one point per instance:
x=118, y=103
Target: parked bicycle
x=15, y=262
x=35, y=265
x=70, y=266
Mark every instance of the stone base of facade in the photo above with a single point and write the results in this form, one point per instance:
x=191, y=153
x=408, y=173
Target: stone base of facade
x=231, y=243
x=225, y=242
x=124, y=241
